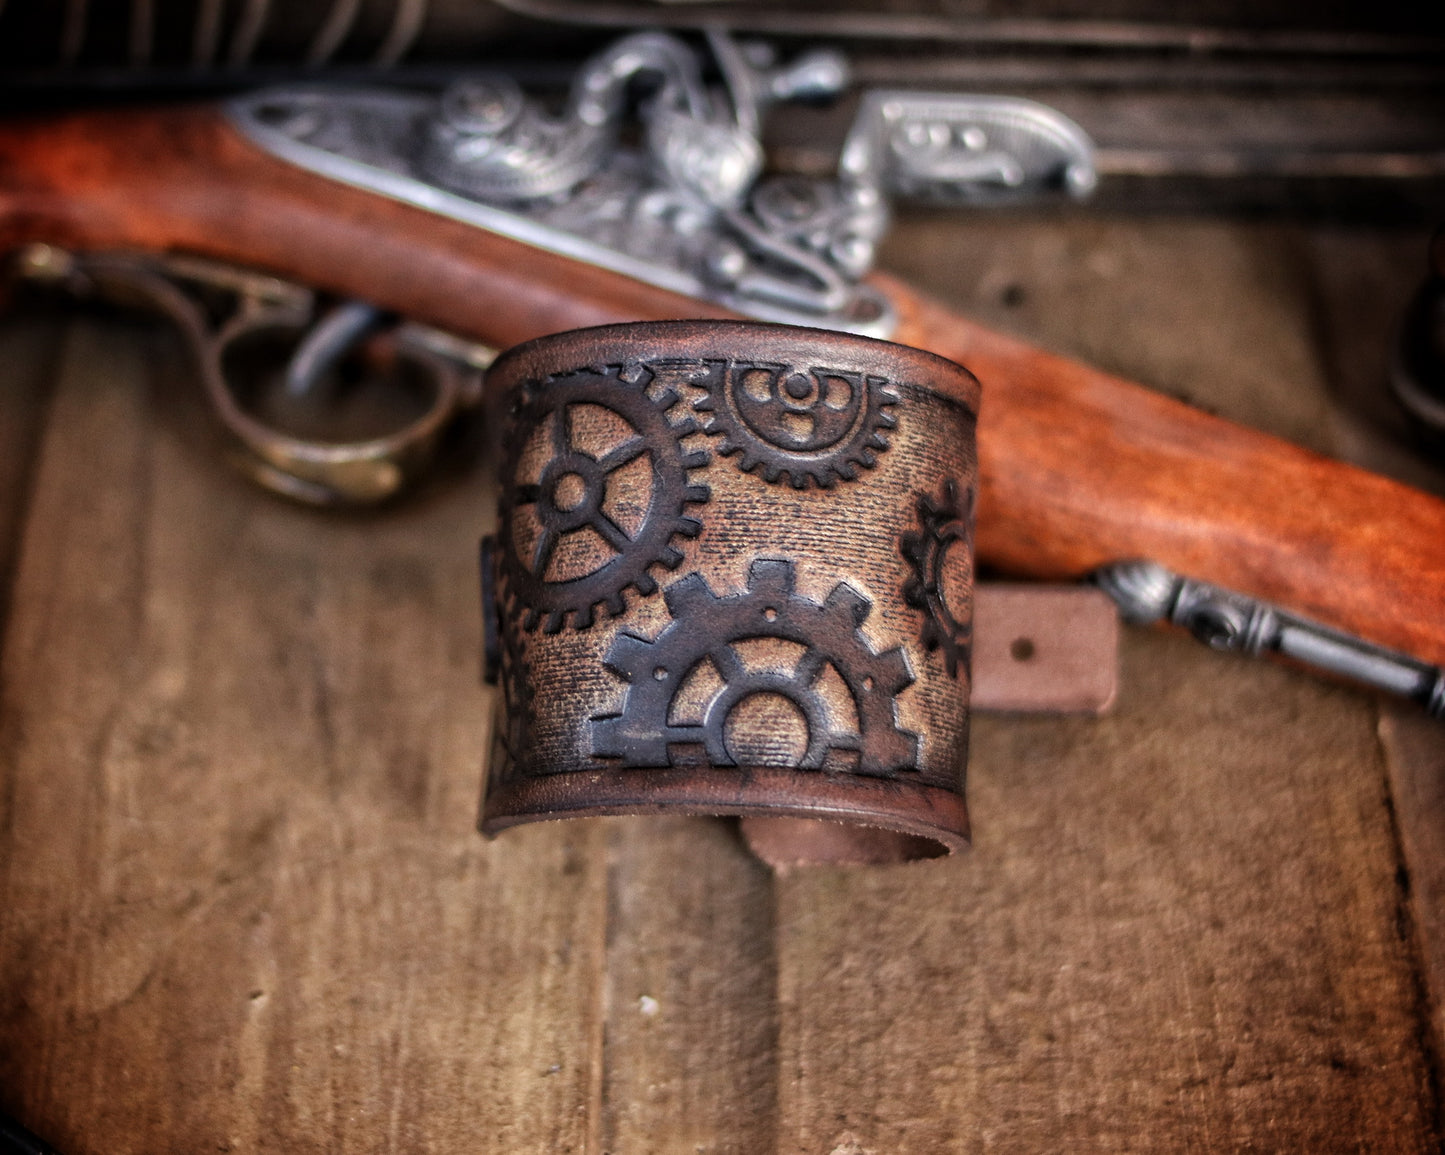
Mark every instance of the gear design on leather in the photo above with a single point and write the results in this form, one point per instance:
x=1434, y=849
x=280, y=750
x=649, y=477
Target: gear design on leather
x=708, y=626
x=515, y=717
x=570, y=495
x=943, y=521
x=815, y=424
x=503, y=666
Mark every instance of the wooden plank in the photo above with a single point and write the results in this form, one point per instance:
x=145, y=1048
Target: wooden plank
x=1362, y=283
x=242, y=901
x=1178, y=929
x=690, y=1063
x=28, y=345
x=1415, y=753
x=1158, y=943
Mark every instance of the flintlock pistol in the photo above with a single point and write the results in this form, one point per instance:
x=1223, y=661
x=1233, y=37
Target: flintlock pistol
x=486, y=218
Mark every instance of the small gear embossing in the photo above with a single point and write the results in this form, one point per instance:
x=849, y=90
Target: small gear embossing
x=815, y=424
x=943, y=522
x=570, y=495
x=708, y=626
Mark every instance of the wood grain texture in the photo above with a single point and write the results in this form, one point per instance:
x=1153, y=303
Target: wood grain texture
x=1078, y=467
x=179, y=179
x=1415, y=753
x=243, y=905
x=1180, y=927
x=1361, y=283
x=28, y=347
x=690, y=1061
x=1158, y=943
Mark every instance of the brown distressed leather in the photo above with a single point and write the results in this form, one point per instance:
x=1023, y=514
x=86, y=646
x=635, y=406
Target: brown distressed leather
x=734, y=575
x=1044, y=649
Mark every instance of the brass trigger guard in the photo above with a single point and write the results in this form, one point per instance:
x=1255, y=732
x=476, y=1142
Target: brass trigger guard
x=316, y=472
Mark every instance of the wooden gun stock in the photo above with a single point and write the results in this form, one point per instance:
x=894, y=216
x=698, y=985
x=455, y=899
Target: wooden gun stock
x=1078, y=468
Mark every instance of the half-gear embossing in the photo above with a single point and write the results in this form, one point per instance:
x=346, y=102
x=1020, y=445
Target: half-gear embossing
x=570, y=495
x=707, y=626
x=820, y=424
x=943, y=522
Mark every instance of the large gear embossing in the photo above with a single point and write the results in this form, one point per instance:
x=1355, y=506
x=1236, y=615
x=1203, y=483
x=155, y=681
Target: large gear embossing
x=943, y=522
x=708, y=626
x=815, y=424
x=570, y=492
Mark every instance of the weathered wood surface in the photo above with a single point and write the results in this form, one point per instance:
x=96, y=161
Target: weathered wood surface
x=690, y=1062
x=27, y=351
x=1180, y=926
x=242, y=905
x=1415, y=753
x=1361, y=284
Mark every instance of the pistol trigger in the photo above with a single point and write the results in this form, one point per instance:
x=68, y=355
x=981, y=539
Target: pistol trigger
x=304, y=440
x=363, y=408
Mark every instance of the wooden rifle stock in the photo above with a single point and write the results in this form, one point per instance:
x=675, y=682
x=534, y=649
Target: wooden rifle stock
x=1078, y=468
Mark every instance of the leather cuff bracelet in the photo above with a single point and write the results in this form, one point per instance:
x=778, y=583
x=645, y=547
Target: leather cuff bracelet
x=733, y=575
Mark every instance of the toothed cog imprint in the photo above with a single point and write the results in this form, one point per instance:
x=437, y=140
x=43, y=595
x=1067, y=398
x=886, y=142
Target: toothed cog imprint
x=709, y=627
x=807, y=424
x=733, y=576
x=937, y=552
x=567, y=493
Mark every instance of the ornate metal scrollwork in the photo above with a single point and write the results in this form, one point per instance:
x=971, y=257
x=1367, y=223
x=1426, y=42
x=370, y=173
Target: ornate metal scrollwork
x=1222, y=619
x=687, y=206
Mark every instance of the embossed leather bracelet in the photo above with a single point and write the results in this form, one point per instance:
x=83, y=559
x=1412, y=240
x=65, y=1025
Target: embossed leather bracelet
x=733, y=576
